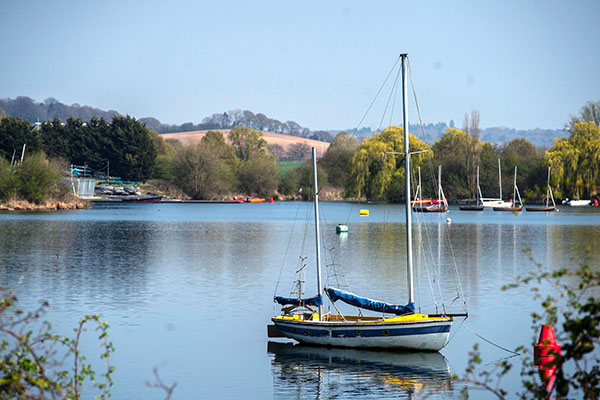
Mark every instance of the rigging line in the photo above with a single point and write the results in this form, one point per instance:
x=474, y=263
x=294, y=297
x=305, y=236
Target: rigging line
x=374, y=264
x=490, y=342
x=394, y=101
x=459, y=288
x=435, y=184
x=287, y=248
x=456, y=331
x=439, y=263
x=394, y=89
x=420, y=219
x=333, y=253
x=378, y=92
x=349, y=212
x=425, y=262
x=327, y=245
x=430, y=163
x=307, y=217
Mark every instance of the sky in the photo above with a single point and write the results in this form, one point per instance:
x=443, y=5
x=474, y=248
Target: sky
x=523, y=64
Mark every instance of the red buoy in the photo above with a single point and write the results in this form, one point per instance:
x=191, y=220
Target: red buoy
x=544, y=354
x=271, y=200
x=546, y=348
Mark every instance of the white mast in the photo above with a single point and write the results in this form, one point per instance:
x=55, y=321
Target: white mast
x=500, y=178
x=409, y=263
x=317, y=235
x=439, y=184
x=515, y=189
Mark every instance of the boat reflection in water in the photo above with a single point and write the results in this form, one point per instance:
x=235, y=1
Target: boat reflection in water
x=302, y=371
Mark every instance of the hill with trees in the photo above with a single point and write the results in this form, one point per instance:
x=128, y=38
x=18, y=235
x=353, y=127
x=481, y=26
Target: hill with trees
x=27, y=109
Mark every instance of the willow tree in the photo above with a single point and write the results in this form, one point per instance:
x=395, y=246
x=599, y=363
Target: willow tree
x=575, y=161
x=378, y=173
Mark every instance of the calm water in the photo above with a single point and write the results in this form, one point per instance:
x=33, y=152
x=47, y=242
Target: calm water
x=188, y=288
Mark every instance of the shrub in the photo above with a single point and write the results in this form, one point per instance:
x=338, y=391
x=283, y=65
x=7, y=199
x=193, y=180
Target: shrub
x=36, y=178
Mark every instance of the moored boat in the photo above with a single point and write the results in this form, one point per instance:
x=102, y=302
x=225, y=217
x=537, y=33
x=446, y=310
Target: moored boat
x=549, y=197
x=395, y=326
x=576, y=202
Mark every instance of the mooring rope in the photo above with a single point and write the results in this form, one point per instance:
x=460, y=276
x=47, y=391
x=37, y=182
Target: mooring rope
x=490, y=342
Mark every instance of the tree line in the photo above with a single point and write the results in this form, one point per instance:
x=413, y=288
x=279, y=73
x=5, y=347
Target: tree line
x=244, y=165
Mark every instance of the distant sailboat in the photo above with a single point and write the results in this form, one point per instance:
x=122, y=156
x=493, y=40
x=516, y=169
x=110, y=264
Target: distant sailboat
x=439, y=205
x=478, y=205
x=496, y=201
x=513, y=203
x=549, y=196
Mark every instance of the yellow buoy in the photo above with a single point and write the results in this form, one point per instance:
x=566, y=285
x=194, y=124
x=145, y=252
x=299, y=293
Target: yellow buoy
x=364, y=212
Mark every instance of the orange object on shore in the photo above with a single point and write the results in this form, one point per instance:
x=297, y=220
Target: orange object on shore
x=255, y=200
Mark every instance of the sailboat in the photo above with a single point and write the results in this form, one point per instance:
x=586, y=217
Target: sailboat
x=479, y=205
x=516, y=195
x=439, y=205
x=549, y=196
x=418, y=200
x=496, y=201
x=304, y=320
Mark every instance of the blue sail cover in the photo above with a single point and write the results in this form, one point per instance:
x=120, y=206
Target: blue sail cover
x=312, y=301
x=369, y=304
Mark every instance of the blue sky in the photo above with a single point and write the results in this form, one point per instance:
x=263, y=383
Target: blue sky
x=522, y=64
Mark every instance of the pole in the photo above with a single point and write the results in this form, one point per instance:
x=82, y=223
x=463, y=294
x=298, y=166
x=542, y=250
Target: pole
x=317, y=235
x=515, y=189
x=548, y=189
x=409, y=263
x=23, y=153
x=500, y=178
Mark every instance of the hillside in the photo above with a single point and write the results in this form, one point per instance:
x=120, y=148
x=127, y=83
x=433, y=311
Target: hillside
x=284, y=141
x=30, y=110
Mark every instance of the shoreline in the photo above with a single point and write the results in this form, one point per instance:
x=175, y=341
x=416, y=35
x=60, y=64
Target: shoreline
x=48, y=205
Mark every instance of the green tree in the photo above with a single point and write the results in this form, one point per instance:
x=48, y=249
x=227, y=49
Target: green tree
x=131, y=150
x=337, y=161
x=575, y=161
x=375, y=167
x=200, y=173
x=7, y=180
x=454, y=152
x=215, y=142
x=36, y=177
x=488, y=170
x=247, y=142
x=259, y=175
x=531, y=171
x=14, y=133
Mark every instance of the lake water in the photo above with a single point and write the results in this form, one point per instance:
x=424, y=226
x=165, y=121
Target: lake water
x=188, y=288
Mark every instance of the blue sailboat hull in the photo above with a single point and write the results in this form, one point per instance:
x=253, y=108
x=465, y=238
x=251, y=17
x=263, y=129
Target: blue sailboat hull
x=431, y=334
